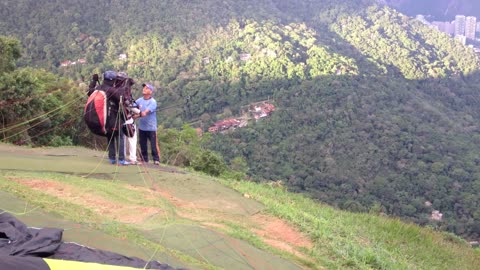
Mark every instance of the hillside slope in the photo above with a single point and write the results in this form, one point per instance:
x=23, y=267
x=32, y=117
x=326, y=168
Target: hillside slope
x=188, y=220
x=162, y=213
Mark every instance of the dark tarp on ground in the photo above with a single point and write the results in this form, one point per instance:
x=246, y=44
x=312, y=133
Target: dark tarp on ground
x=22, y=263
x=16, y=239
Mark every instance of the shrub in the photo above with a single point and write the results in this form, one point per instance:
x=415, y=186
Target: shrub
x=210, y=163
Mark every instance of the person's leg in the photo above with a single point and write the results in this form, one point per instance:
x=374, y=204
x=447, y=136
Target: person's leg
x=111, y=148
x=154, y=146
x=121, y=146
x=142, y=135
x=132, y=147
x=127, y=145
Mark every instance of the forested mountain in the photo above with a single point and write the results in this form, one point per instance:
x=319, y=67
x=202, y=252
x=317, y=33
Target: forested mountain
x=439, y=9
x=375, y=111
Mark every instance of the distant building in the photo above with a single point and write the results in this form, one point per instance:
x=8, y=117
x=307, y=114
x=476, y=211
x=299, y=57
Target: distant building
x=470, y=27
x=256, y=110
x=446, y=27
x=436, y=215
x=460, y=25
x=478, y=26
x=262, y=110
x=450, y=28
x=66, y=63
x=224, y=125
x=122, y=56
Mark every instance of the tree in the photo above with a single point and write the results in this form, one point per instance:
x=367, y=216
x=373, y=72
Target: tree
x=9, y=54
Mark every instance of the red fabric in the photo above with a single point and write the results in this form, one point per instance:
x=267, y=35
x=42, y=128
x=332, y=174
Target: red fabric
x=95, y=112
x=101, y=109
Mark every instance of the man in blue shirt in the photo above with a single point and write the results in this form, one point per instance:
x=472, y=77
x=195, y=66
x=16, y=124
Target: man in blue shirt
x=147, y=124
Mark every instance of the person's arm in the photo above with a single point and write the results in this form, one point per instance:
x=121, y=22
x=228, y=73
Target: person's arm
x=93, y=84
x=144, y=113
x=151, y=108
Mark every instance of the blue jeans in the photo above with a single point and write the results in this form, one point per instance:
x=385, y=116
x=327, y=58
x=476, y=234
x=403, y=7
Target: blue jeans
x=144, y=137
x=116, y=144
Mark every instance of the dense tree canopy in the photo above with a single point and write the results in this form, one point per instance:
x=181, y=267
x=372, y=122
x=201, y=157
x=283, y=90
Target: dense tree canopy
x=36, y=107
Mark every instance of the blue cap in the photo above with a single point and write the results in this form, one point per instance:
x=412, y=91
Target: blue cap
x=109, y=75
x=149, y=86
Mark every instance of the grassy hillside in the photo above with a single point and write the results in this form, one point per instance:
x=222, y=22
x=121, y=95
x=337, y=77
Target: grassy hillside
x=189, y=220
x=375, y=110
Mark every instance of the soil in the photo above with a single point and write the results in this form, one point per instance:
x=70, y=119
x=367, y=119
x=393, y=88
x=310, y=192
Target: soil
x=273, y=231
x=117, y=211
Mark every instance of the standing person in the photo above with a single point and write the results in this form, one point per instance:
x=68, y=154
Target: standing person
x=132, y=144
x=114, y=121
x=131, y=139
x=147, y=124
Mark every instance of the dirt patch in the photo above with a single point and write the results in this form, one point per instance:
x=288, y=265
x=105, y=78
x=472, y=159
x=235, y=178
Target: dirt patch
x=122, y=213
x=280, y=234
x=273, y=231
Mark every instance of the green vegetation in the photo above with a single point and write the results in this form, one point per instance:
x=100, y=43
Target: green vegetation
x=83, y=213
x=345, y=240
x=376, y=112
x=36, y=106
x=340, y=240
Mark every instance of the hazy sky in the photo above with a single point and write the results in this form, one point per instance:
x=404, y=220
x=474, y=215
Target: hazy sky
x=440, y=9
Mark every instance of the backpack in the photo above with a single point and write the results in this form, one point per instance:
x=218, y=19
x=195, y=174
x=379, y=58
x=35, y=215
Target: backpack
x=98, y=114
x=95, y=112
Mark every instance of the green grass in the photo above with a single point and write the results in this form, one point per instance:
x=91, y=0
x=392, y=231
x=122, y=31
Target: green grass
x=243, y=233
x=345, y=240
x=342, y=240
x=89, y=218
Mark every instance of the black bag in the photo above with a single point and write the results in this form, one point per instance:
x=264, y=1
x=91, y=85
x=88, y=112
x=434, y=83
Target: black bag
x=103, y=105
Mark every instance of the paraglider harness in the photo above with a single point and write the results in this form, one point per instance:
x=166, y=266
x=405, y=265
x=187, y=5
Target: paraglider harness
x=99, y=111
x=127, y=105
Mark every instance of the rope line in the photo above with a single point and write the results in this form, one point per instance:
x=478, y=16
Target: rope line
x=38, y=117
x=146, y=175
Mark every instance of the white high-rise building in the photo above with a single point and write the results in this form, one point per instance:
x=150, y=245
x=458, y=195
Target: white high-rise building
x=450, y=27
x=470, y=27
x=446, y=27
x=460, y=22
